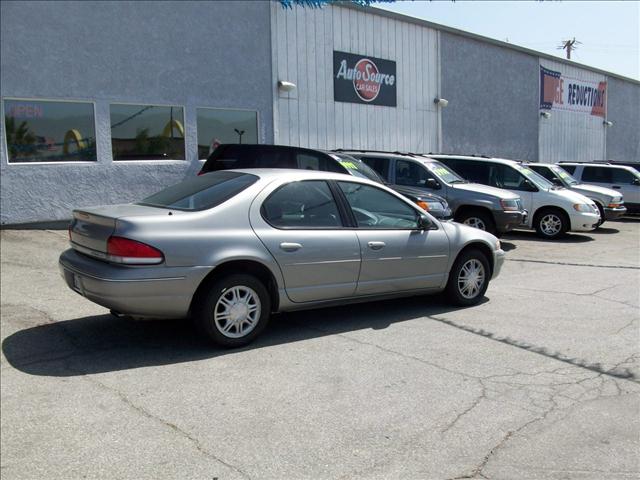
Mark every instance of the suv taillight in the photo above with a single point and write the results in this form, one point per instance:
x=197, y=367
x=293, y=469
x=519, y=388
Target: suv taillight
x=132, y=252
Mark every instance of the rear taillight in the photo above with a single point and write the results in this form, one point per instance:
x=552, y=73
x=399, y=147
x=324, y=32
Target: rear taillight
x=132, y=252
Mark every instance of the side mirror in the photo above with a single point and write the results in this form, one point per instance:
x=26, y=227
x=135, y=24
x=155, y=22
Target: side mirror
x=530, y=186
x=425, y=223
x=433, y=184
x=636, y=181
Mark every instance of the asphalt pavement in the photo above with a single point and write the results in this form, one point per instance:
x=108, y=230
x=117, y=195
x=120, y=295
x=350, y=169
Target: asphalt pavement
x=542, y=380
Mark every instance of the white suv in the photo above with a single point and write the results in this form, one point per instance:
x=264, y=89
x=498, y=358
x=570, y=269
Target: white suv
x=552, y=210
x=623, y=179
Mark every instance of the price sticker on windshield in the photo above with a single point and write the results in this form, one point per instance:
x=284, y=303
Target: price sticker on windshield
x=347, y=164
x=441, y=171
x=563, y=174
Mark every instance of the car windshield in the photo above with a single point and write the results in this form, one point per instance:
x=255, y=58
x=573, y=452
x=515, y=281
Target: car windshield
x=444, y=173
x=201, y=193
x=535, y=178
x=565, y=176
x=358, y=168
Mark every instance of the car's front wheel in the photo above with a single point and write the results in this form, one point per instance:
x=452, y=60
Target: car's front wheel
x=551, y=223
x=234, y=310
x=601, y=211
x=468, y=278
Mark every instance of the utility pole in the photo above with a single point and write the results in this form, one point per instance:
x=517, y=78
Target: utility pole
x=569, y=45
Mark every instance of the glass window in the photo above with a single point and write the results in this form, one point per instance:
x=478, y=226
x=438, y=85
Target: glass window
x=217, y=126
x=200, y=193
x=229, y=156
x=544, y=171
x=597, y=174
x=411, y=174
x=311, y=161
x=444, y=173
x=569, y=168
x=622, y=176
x=380, y=165
x=356, y=167
x=503, y=176
x=302, y=205
x=147, y=132
x=477, y=172
x=375, y=208
x=43, y=131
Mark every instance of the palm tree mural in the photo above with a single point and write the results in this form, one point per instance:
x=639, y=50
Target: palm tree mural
x=20, y=139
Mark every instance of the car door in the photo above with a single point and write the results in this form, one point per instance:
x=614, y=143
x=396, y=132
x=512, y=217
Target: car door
x=301, y=226
x=396, y=255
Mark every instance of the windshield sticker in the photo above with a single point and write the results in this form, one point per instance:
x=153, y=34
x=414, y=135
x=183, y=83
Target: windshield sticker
x=563, y=174
x=348, y=164
x=441, y=171
x=524, y=169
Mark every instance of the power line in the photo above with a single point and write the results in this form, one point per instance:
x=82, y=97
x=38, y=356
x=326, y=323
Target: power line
x=569, y=46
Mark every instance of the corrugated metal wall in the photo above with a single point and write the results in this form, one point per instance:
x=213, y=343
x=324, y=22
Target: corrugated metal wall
x=570, y=135
x=303, y=41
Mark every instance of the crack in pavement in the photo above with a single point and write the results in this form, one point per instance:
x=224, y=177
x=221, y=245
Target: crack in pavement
x=548, y=262
x=593, y=294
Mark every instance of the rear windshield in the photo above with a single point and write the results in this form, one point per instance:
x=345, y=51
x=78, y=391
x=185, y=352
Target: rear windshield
x=201, y=193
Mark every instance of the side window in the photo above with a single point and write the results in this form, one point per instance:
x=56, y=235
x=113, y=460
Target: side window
x=375, y=208
x=308, y=161
x=380, y=165
x=597, y=174
x=544, y=171
x=248, y=156
x=302, y=205
x=622, y=176
x=504, y=176
x=411, y=174
x=569, y=168
x=477, y=172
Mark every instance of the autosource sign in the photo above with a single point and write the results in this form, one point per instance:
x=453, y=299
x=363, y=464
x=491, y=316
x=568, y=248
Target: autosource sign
x=359, y=79
x=561, y=92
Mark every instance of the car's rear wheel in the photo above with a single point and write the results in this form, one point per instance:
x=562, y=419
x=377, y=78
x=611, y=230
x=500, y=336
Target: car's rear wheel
x=478, y=219
x=468, y=278
x=234, y=310
x=551, y=223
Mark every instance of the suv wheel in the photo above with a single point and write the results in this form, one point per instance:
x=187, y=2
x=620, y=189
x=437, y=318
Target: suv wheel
x=478, y=219
x=468, y=278
x=234, y=311
x=551, y=223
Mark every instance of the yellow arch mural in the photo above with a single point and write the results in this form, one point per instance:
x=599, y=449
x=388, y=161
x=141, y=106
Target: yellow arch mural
x=176, y=124
x=73, y=135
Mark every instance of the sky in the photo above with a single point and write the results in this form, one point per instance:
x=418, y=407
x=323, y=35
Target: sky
x=609, y=30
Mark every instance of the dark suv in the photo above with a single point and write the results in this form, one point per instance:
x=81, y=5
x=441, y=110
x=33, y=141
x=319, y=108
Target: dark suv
x=236, y=156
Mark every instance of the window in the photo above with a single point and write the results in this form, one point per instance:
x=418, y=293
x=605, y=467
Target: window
x=503, y=176
x=380, y=165
x=477, y=172
x=356, y=167
x=217, y=126
x=200, y=193
x=544, y=171
x=569, y=168
x=147, y=132
x=622, y=176
x=411, y=174
x=44, y=131
x=375, y=208
x=302, y=205
x=444, y=173
x=249, y=156
x=597, y=174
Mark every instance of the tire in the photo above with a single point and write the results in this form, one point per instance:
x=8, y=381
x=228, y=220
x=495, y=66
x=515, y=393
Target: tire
x=601, y=210
x=551, y=223
x=460, y=292
x=233, y=310
x=478, y=219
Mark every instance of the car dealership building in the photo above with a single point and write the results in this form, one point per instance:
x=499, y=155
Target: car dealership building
x=107, y=102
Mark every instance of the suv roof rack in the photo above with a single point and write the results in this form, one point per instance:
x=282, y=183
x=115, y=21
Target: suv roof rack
x=395, y=152
x=458, y=154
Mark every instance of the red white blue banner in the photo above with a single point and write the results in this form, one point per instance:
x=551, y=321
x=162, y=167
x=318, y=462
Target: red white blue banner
x=561, y=92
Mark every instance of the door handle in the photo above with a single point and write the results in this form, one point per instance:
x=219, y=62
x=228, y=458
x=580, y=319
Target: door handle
x=376, y=245
x=290, y=247
x=616, y=187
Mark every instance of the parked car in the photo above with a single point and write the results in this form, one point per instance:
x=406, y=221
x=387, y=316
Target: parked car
x=621, y=178
x=231, y=247
x=552, y=210
x=609, y=202
x=282, y=156
x=496, y=211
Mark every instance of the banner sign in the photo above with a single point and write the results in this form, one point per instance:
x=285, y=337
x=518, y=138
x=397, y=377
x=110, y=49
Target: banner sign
x=358, y=79
x=560, y=92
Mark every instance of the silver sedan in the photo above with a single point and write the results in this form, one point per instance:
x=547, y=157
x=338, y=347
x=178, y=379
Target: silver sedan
x=229, y=248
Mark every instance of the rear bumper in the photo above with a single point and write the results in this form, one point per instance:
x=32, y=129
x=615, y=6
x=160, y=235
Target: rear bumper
x=507, y=221
x=148, y=291
x=584, y=222
x=613, y=213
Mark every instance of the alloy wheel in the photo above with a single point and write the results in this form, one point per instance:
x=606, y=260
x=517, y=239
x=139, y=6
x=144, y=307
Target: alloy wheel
x=475, y=222
x=551, y=224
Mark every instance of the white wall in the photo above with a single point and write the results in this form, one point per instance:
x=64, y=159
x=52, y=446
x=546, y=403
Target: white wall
x=303, y=41
x=568, y=135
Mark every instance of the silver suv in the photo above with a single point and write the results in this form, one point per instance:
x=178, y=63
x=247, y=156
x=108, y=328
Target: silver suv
x=623, y=179
x=487, y=208
x=609, y=202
